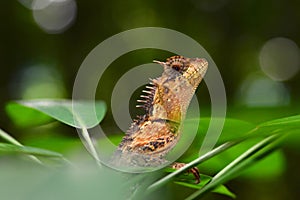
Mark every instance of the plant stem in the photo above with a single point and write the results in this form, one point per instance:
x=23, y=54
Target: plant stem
x=89, y=145
x=258, y=151
x=12, y=140
x=86, y=137
x=245, y=155
x=202, y=158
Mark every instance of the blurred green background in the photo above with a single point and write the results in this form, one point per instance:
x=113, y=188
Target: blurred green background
x=255, y=45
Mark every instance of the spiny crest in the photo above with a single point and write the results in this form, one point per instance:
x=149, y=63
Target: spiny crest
x=191, y=69
x=139, y=119
x=135, y=124
x=147, y=97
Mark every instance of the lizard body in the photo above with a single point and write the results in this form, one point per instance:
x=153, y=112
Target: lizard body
x=151, y=136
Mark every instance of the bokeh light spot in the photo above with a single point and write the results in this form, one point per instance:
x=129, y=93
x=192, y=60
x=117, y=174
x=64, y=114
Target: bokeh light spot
x=260, y=91
x=39, y=81
x=280, y=58
x=54, y=16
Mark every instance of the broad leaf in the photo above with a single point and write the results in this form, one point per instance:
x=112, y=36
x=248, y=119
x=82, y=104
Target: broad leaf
x=74, y=113
x=24, y=116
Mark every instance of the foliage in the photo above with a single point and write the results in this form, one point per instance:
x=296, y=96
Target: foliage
x=241, y=145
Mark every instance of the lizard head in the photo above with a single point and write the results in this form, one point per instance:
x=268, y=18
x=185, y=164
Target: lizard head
x=192, y=69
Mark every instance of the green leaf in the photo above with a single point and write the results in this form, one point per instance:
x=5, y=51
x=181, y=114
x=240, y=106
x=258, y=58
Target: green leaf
x=23, y=116
x=293, y=121
x=10, y=148
x=204, y=180
x=282, y=125
x=292, y=141
x=248, y=158
x=13, y=141
x=27, y=181
x=188, y=180
x=9, y=138
x=270, y=167
x=236, y=129
x=233, y=129
x=116, y=139
x=53, y=142
x=248, y=134
x=74, y=113
x=224, y=190
x=109, y=144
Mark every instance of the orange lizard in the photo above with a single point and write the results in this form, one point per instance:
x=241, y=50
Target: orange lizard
x=166, y=100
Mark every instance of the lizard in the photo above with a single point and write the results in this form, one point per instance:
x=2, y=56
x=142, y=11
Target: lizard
x=165, y=101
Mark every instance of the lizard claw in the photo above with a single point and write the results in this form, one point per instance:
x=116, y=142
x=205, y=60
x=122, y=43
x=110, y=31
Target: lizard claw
x=193, y=170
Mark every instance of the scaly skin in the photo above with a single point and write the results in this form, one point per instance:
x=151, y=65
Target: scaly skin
x=153, y=135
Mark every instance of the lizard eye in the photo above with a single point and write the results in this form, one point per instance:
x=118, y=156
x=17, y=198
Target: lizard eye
x=176, y=67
